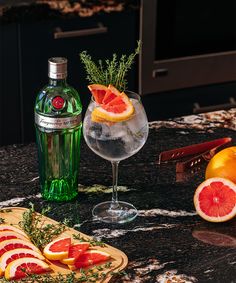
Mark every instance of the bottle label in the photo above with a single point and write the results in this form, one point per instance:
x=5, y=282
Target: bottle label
x=57, y=123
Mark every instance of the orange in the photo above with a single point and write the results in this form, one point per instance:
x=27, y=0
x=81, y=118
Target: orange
x=7, y=235
x=215, y=199
x=4, y=227
x=223, y=164
x=21, y=267
x=89, y=258
x=75, y=251
x=57, y=249
x=15, y=244
x=9, y=256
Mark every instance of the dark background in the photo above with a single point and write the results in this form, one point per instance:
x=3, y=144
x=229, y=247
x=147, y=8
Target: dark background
x=27, y=41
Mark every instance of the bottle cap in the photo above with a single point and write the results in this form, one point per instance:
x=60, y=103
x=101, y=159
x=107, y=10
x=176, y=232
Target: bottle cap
x=57, y=68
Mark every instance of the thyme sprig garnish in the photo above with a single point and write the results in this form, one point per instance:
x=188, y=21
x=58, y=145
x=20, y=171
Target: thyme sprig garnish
x=93, y=242
x=34, y=225
x=111, y=71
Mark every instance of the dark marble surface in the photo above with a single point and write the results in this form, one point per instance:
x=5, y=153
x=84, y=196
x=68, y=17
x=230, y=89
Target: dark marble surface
x=167, y=241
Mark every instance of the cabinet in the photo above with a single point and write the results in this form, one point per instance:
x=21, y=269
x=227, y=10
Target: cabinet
x=101, y=36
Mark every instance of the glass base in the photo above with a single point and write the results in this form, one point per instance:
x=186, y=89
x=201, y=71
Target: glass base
x=120, y=212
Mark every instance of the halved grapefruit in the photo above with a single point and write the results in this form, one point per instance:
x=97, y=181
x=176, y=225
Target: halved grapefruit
x=215, y=199
x=9, y=256
x=57, y=249
x=5, y=227
x=22, y=267
x=89, y=258
x=75, y=251
x=7, y=235
x=16, y=244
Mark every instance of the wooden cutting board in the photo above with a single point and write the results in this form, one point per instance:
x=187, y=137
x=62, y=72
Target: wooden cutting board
x=118, y=259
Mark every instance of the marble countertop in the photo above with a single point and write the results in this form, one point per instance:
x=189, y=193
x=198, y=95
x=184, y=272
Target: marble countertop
x=168, y=242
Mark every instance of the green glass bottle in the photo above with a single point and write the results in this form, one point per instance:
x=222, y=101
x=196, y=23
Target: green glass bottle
x=58, y=131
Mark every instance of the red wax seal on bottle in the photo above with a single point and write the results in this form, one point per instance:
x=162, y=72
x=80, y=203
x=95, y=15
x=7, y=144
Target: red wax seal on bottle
x=58, y=102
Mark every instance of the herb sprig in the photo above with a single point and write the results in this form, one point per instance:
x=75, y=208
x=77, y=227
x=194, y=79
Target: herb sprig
x=35, y=227
x=111, y=71
x=93, y=242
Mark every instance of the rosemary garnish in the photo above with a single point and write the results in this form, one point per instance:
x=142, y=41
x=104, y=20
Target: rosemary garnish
x=111, y=71
x=92, y=242
x=35, y=227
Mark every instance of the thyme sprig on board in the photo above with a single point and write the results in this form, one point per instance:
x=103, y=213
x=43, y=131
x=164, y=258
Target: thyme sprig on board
x=111, y=71
x=39, y=232
x=92, y=242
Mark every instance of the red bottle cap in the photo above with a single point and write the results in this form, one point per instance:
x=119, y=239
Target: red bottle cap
x=58, y=102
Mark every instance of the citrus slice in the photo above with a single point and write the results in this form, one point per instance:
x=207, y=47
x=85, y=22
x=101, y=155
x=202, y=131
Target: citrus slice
x=22, y=267
x=98, y=91
x=89, y=258
x=16, y=244
x=7, y=235
x=117, y=110
x=75, y=251
x=215, y=199
x=57, y=249
x=4, y=227
x=9, y=256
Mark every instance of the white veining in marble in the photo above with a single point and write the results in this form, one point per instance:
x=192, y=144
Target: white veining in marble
x=163, y=212
x=18, y=200
x=203, y=121
x=116, y=233
x=172, y=277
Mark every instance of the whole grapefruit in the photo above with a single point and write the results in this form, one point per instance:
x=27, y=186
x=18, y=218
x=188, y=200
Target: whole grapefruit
x=223, y=164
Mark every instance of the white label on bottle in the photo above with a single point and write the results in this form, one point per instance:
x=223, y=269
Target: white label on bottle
x=57, y=123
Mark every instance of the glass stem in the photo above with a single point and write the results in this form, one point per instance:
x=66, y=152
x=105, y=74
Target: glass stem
x=115, y=165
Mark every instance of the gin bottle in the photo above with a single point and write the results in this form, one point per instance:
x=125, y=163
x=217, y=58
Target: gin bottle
x=58, y=132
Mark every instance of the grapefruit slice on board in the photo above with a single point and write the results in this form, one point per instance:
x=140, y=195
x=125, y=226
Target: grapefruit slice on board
x=215, y=199
x=57, y=249
x=4, y=227
x=89, y=258
x=75, y=251
x=21, y=267
x=15, y=244
x=9, y=256
x=7, y=235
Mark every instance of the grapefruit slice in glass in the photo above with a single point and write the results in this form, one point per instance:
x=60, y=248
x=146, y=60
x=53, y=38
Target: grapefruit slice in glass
x=98, y=92
x=215, y=199
x=7, y=235
x=117, y=110
x=15, y=244
x=75, y=251
x=22, y=267
x=57, y=249
x=88, y=258
x=9, y=256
